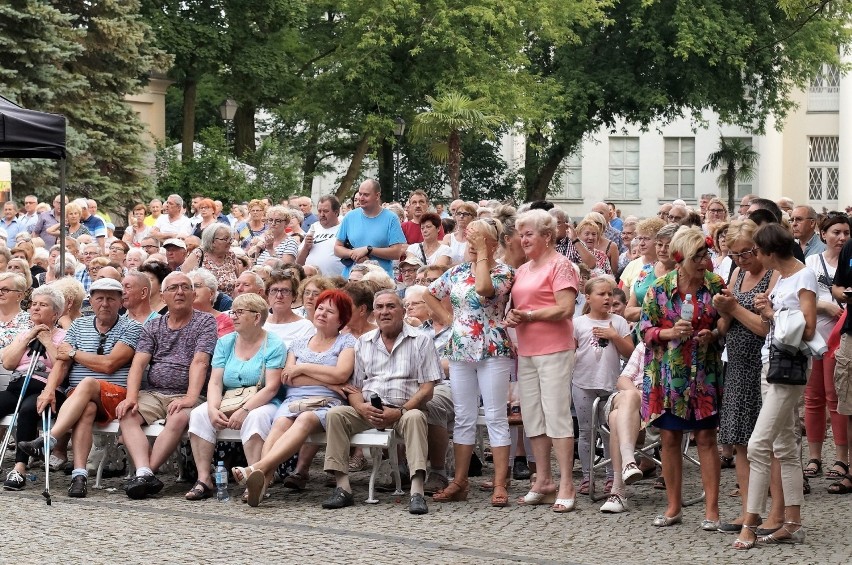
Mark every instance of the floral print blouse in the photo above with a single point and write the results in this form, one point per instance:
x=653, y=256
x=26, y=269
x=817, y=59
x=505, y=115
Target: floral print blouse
x=225, y=272
x=478, y=331
x=682, y=377
x=8, y=330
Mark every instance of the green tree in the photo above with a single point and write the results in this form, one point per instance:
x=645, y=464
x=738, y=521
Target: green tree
x=736, y=160
x=659, y=60
x=192, y=31
x=450, y=116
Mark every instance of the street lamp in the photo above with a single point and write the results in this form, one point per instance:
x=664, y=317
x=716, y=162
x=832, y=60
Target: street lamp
x=228, y=110
x=398, y=132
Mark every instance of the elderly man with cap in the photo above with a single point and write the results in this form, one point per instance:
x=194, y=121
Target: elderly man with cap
x=175, y=253
x=408, y=271
x=95, y=359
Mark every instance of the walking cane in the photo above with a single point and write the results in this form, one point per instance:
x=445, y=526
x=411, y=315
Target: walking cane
x=46, y=416
x=36, y=350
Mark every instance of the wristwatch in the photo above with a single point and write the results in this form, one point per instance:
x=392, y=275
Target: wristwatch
x=72, y=353
x=369, y=250
x=402, y=411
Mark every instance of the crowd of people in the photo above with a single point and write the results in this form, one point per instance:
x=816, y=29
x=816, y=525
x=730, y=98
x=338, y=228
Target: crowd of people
x=280, y=320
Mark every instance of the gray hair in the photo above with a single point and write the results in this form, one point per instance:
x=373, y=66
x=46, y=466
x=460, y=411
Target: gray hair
x=17, y=279
x=385, y=291
x=542, y=222
x=294, y=213
x=210, y=232
x=176, y=197
x=415, y=289
x=558, y=213
x=667, y=231
x=172, y=275
x=141, y=277
x=138, y=251
x=258, y=280
x=56, y=298
x=70, y=265
x=207, y=278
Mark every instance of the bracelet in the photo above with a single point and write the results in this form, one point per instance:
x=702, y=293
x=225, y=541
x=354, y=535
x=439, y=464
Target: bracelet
x=481, y=260
x=246, y=409
x=529, y=315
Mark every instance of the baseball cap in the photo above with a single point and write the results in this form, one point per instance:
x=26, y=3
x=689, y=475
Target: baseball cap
x=412, y=259
x=106, y=284
x=176, y=242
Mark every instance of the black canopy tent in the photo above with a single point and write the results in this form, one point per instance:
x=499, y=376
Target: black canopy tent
x=28, y=134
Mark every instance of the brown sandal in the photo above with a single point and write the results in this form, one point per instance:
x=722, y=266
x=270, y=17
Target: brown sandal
x=500, y=500
x=488, y=486
x=454, y=492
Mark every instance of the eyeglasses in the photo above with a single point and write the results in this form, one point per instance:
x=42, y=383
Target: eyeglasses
x=5, y=291
x=102, y=343
x=407, y=271
x=311, y=293
x=222, y=239
x=275, y=221
x=116, y=249
x=744, y=254
x=198, y=286
x=241, y=311
x=281, y=291
x=463, y=214
x=698, y=259
x=797, y=220
x=176, y=287
x=414, y=303
x=150, y=246
x=716, y=210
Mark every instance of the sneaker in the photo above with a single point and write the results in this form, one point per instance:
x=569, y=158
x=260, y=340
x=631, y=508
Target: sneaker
x=34, y=448
x=78, y=487
x=139, y=488
x=435, y=483
x=520, y=469
x=338, y=499
x=14, y=481
x=57, y=463
x=631, y=474
x=614, y=505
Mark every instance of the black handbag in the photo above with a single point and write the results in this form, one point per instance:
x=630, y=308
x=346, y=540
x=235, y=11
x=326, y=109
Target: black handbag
x=787, y=368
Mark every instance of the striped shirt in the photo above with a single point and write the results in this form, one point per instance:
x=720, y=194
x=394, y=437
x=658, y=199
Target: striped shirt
x=396, y=375
x=83, y=335
x=288, y=246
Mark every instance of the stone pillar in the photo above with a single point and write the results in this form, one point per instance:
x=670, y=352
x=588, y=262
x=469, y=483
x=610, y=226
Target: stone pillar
x=771, y=166
x=844, y=128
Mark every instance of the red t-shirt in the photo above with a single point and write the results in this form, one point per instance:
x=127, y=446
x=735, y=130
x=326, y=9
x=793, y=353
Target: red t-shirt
x=414, y=235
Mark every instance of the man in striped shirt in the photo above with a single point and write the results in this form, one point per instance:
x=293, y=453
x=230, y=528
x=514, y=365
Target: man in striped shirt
x=399, y=364
x=95, y=359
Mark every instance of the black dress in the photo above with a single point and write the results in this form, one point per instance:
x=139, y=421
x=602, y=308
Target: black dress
x=741, y=398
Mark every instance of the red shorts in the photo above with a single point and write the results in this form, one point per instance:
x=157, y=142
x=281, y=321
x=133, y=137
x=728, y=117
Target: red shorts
x=111, y=397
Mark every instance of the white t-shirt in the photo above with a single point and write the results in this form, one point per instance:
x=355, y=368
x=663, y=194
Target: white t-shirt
x=322, y=254
x=786, y=295
x=180, y=226
x=596, y=367
x=291, y=331
x=442, y=251
x=824, y=323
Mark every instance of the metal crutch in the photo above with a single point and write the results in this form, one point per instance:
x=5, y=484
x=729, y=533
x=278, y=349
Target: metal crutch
x=37, y=350
x=46, y=417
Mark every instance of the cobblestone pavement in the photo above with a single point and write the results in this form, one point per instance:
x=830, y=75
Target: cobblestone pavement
x=107, y=527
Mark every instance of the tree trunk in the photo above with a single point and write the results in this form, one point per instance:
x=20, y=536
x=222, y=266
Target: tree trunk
x=309, y=164
x=731, y=177
x=354, y=168
x=387, y=180
x=244, y=130
x=454, y=163
x=190, y=88
x=538, y=189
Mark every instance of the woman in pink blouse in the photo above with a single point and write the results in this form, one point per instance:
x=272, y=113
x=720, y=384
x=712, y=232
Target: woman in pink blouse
x=544, y=295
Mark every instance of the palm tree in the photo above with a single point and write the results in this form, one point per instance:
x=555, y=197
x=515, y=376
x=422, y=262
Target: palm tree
x=451, y=115
x=736, y=160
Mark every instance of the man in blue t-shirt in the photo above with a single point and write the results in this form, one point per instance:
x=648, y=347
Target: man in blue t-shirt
x=94, y=224
x=370, y=232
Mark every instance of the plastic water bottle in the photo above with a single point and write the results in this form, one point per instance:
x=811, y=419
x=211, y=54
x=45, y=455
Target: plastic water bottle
x=221, y=478
x=687, y=309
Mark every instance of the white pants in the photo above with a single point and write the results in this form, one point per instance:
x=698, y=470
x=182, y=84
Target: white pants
x=490, y=379
x=257, y=422
x=775, y=432
x=583, y=400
